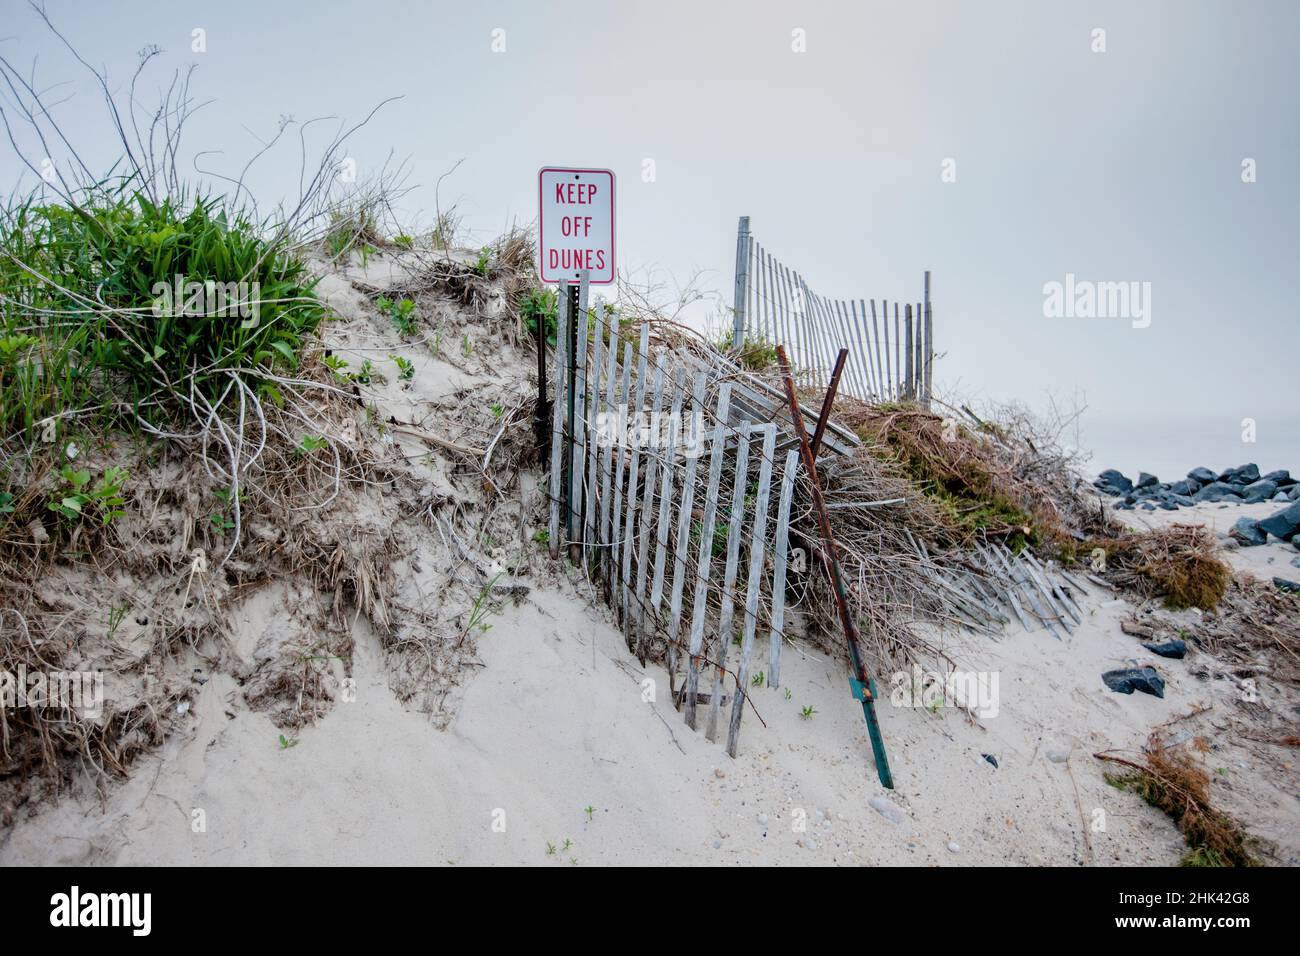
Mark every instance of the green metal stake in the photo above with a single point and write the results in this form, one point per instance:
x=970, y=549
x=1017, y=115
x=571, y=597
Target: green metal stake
x=864, y=688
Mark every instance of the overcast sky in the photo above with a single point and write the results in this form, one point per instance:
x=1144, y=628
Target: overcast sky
x=1123, y=165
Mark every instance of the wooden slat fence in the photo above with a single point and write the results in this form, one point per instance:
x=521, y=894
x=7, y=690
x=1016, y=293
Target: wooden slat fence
x=669, y=490
x=774, y=306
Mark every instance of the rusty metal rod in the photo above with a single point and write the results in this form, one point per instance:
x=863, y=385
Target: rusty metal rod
x=828, y=401
x=863, y=686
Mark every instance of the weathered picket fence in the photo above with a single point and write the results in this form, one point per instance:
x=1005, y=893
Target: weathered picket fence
x=670, y=512
x=774, y=306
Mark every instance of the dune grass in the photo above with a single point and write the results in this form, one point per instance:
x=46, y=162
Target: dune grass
x=90, y=323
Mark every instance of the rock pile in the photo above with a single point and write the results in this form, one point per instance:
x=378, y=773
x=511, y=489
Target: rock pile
x=1241, y=485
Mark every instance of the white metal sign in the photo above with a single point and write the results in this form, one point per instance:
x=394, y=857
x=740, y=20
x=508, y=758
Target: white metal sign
x=576, y=224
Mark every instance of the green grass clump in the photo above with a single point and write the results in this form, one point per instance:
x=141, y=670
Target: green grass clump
x=755, y=354
x=90, y=324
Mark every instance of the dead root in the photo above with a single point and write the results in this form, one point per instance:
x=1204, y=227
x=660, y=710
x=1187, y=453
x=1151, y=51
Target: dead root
x=1172, y=780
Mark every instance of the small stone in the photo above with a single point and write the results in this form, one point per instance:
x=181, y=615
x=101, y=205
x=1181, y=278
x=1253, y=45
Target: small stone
x=719, y=773
x=1175, y=648
x=953, y=847
x=1125, y=681
x=717, y=844
x=1058, y=754
x=990, y=758
x=809, y=844
x=762, y=819
x=890, y=811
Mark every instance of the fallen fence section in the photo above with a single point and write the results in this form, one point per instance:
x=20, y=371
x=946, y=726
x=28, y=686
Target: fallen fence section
x=667, y=485
x=672, y=477
x=774, y=306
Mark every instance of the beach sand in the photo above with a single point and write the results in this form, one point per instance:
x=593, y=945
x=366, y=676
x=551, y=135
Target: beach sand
x=555, y=722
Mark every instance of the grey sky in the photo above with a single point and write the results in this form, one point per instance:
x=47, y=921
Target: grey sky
x=1123, y=165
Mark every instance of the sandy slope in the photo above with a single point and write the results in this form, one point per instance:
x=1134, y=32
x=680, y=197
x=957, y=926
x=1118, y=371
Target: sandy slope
x=555, y=722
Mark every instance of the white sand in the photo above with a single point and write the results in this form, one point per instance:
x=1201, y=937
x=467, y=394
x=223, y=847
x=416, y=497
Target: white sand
x=555, y=722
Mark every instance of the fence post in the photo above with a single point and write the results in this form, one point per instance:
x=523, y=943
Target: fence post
x=909, y=371
x=742, y=284
x=929, y=340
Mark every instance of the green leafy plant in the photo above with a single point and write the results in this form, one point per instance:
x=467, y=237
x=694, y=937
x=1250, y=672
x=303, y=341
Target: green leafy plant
x=401, y=312
x=757, y=679
x=589, y=810
x=337, y=366
x=807, y=713
x=287, y=742
x=539, y=305
x=311, y=443
x=479, y=613
x=405, y=367
x=484, y=258
x=77, y=496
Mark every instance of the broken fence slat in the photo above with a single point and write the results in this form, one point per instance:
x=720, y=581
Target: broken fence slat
x=735, y=532
x=757, y=540
x=684, y=517
x=704, y=564
x=781, y=548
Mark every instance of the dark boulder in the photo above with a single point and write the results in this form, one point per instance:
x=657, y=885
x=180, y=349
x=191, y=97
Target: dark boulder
x=1216, y=491
x=1284, y=524
x=1184, y=487
x=1202, y=476
x=1248, y=532
x=1130, y=679
x=1281, y=476
x=1175, y=648
x=1110, y=478
x=1146, y=481
x=1244, y=474
x=1282, y=584
x=1183, y=500
x=1258, y=491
